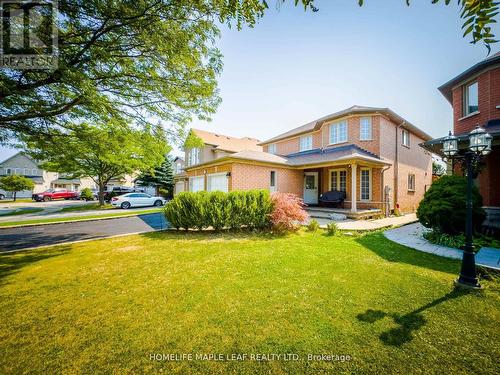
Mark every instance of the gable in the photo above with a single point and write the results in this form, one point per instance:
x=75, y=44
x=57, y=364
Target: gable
x=19, y=160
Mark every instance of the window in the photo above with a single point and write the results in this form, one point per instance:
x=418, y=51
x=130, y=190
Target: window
x=365, y=184
x=34, y=172
x=338, y=132
x=406, y=138
x=178, y=168
x=471, y=98
x=197, y=184
x=338, y=180
x=411, y=182
x=365, y=128
x=26, y=172
x=306, y=143
x=272, y=181
x=194, y=156
x=217, y=182
x=8, y=171
x=271, y=148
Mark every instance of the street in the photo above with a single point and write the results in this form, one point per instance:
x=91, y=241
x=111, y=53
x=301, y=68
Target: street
x=43, y=235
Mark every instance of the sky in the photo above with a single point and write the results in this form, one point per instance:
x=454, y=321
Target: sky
x=295, y=66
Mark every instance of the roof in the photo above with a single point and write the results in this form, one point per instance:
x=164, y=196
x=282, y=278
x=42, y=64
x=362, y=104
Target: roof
x=301, y=159
x=178, y=158
x=228, y=143
x=486, y=63
x=356, y=109
x=19, y=153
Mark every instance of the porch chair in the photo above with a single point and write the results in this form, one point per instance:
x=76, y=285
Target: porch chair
x=332, y=197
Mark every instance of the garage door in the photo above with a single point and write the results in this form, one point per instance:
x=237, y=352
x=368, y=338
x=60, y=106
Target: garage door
x=196, y=184
x=179, y=187
x=217, y=182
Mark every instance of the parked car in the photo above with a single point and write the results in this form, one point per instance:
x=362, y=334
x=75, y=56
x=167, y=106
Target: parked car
x=52, y=194
x=119, y=190
x=137, y=200
x=2, y=196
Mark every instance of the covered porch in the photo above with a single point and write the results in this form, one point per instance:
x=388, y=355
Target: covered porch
x=360, y=178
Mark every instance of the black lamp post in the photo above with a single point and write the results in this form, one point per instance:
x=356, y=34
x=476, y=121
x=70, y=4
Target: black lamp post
x=479, y=145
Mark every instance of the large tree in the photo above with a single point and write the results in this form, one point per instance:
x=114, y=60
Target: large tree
x=161, y=177
x=101, y=151
x=130, y=60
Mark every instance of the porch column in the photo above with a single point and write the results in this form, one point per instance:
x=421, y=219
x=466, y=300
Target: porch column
x=353, y=187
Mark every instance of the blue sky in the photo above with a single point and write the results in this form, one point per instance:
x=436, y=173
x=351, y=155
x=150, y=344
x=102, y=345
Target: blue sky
x=296, y=66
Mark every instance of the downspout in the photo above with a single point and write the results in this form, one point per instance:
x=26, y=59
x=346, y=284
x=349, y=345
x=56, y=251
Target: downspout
x=382, y=190
x=396, y=168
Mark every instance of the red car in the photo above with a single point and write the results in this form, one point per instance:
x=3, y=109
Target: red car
x=54, y=194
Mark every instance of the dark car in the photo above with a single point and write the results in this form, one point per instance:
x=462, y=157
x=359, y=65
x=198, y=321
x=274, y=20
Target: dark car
x=119, y=190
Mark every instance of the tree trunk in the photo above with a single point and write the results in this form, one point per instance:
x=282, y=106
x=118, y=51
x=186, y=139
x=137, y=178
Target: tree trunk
x=15, y=193
x=101, y=193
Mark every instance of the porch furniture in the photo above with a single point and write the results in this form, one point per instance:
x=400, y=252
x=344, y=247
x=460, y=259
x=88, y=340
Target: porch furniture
x=332, y=197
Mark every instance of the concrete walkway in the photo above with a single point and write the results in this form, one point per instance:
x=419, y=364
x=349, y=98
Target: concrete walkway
x=370, y=224
x=412, y=236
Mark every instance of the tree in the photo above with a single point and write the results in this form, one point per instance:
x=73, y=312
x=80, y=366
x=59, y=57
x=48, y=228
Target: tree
x=443, y=207
x=15, y=183
x=129, y=60
x=101, y=151
x=162, y=177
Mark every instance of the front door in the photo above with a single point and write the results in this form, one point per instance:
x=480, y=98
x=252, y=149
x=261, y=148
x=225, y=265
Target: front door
x=311, y=187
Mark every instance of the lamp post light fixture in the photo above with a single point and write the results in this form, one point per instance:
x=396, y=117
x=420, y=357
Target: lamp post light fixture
x=479, y=146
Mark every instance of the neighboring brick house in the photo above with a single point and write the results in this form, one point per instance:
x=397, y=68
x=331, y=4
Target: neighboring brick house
x=475, y=98
x=372, y=154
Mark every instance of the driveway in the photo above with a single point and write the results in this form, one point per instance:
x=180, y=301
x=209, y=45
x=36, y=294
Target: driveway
x=49, y=207
x=43, y=235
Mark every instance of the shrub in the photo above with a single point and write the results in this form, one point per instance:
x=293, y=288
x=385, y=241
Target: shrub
x=288, y=212
x=87, y=194
x=443, y=207
x=313, y=226
x=219, y=210
x=332, y=229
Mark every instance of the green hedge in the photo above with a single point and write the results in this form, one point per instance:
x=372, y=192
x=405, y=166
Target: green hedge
x=443, y=207
x=219, y=210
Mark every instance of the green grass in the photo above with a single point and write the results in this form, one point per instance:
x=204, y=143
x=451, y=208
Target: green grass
x=22, y=212
x=87, y=207
x=18, y=200
x=105, y=306
x=80, y=218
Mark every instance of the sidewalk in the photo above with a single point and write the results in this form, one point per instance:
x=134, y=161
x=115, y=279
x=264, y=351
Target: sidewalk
x=370, y=224
x=412, y=236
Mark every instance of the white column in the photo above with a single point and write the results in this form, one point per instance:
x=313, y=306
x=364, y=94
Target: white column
x=353, y=187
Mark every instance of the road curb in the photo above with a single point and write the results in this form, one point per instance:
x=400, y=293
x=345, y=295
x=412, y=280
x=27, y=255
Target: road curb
x=75, y=221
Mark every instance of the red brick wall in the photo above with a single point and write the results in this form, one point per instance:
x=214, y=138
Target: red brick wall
x=247, y=176
x=489, y=98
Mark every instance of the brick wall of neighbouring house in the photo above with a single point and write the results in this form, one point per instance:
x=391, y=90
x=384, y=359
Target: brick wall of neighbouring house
x=247, y=176
x=489, y=99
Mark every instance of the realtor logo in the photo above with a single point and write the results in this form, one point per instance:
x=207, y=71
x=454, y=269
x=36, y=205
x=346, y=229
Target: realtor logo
x=28, y=34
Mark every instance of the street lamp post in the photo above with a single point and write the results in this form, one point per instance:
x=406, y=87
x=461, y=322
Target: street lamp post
x=479, y=145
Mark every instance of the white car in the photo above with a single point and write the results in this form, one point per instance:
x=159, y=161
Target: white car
x=137, y=200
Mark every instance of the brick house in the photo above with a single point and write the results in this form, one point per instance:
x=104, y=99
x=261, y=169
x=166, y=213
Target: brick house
x=475, y=98
x=372, y=154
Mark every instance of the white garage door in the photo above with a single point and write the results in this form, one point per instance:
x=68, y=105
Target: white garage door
x=179, y=187
x=217, y=182
x=196, y=184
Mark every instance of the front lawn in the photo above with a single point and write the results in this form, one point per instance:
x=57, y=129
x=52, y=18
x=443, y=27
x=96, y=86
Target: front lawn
x=87, y=207
x=108, y=305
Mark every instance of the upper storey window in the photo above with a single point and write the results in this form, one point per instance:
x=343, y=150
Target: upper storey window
x=471, y=98
x=406, y=138
x=365, y=129
x=338, y=132
x=306, y=143
x=194, y=156
x=271, y=148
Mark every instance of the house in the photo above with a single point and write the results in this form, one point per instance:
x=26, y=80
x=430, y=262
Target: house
x=475, y=97
x=215, y=147
x=371, y=154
